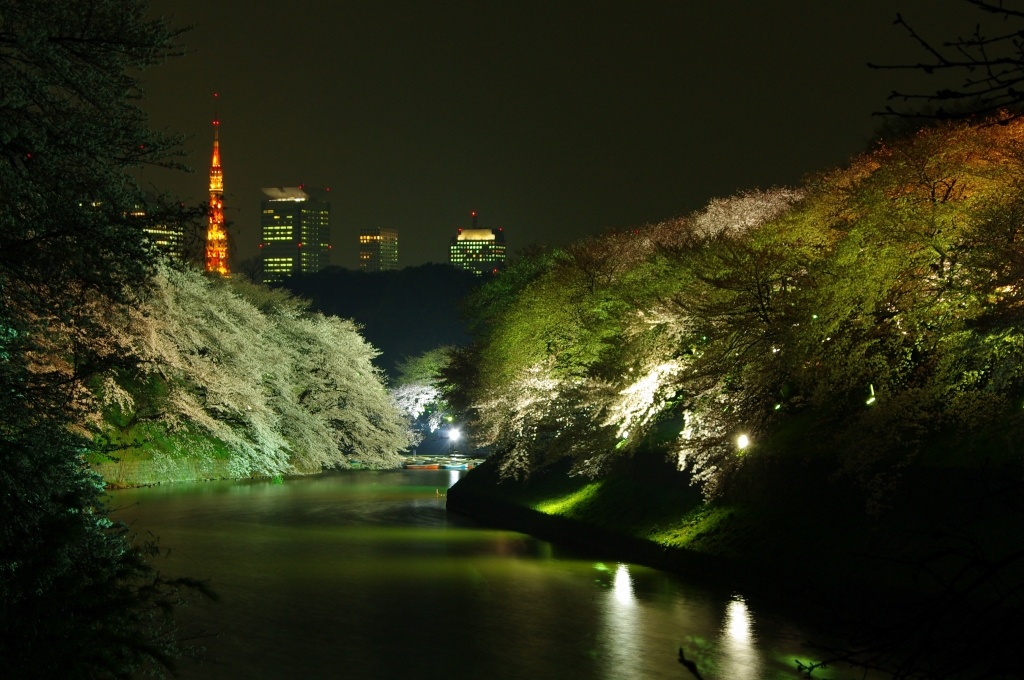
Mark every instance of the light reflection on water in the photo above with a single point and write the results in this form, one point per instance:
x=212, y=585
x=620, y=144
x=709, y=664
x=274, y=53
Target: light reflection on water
x=740, y=657
x=622, y=623
x=365, y=575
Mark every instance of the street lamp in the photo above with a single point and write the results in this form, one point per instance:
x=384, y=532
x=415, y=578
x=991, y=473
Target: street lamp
x=453, y=436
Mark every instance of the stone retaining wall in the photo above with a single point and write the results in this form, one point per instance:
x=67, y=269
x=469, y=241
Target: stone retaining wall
x=162, y=470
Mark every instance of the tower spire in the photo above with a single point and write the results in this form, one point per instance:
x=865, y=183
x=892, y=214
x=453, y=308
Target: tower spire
x=216, y=234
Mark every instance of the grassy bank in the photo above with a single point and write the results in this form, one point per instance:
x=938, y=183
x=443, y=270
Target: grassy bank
x=808, y=537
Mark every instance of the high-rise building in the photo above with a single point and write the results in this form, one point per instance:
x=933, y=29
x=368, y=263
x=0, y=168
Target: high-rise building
x=216, y=234
x=167, y=238
x=296, y=224
x=478, y=250
x=378, y=250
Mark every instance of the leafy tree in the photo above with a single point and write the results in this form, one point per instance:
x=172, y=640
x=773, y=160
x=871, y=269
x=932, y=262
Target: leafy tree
x=279, y=389
x=77, y=599
x=881, y=298
x=424, y=368
x=417, y=390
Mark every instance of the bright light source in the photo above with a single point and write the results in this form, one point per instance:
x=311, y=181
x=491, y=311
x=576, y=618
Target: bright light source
x=625, y=435
x=778, y=406
x=743, y=442
x=871, y=400
x=454, y=434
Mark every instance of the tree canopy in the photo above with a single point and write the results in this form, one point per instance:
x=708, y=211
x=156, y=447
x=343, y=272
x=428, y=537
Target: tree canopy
x=872, y=308
x=77, y=597
x=231, y=369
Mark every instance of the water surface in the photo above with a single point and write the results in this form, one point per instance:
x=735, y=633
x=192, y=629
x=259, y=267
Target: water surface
x=365, y=575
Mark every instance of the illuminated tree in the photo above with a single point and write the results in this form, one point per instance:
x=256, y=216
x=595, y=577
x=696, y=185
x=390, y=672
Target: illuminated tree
x=881, y=299
x=417, y=390
x=278, y=389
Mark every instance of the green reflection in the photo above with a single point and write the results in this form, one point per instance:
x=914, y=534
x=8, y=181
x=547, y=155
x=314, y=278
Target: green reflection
x=367, y=573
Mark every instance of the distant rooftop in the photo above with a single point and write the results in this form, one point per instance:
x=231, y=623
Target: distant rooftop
x=285, y=193
x=476, y=235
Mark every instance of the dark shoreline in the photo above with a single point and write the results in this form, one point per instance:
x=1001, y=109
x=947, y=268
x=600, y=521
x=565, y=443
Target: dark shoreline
x=793, y=589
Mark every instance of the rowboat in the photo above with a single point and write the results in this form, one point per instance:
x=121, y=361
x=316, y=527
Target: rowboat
x=420, y=465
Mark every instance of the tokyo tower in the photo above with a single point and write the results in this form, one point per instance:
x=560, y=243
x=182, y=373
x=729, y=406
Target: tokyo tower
x=216, y=234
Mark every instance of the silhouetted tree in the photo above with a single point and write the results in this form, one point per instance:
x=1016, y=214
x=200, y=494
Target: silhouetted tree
x=77, y=600
x=993, y=66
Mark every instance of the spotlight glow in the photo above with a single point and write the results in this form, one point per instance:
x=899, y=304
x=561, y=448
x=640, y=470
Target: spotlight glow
x=743, y=442
x=454, y=434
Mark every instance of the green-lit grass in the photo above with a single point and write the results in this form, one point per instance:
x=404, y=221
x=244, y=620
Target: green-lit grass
x=572, y=504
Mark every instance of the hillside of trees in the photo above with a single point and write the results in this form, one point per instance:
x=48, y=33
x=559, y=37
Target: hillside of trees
x=78, y=595
x=869, y=319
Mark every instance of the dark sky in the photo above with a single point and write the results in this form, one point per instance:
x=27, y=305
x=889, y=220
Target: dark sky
x=552, y=119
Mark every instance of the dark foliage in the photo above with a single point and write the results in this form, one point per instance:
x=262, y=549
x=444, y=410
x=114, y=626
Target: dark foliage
x=966, y=617
x=403, y=313
x=77, y=598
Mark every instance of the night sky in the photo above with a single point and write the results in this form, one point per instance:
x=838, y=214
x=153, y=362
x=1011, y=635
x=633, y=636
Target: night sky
x=553, y=120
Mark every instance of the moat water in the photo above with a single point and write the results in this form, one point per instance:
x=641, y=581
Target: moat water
x=365, y=575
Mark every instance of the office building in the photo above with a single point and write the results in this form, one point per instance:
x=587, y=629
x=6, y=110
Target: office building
x=296, y=224
x=478, y=250
x=378, y=250
x=167, y=238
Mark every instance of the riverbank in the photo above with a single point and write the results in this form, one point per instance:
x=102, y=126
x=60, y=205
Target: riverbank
x=786, y=533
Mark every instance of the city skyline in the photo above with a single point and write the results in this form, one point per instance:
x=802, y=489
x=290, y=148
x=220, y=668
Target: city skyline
x=613, y=119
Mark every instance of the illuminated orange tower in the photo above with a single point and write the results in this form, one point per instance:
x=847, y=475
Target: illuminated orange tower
x=216, y=234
